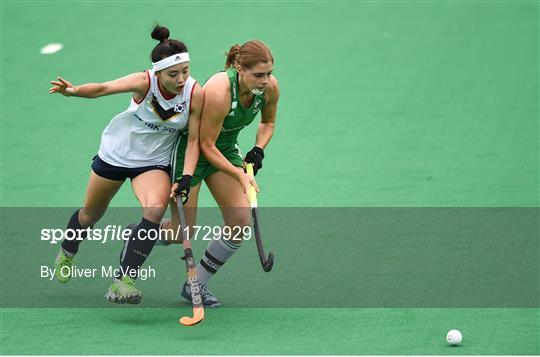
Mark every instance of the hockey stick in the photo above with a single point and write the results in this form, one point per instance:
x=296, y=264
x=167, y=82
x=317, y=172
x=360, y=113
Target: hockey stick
x=267, y=263
x=196, y=299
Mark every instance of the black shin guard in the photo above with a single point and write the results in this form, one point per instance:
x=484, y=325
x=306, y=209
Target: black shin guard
x=137, y=248
x=72, y=245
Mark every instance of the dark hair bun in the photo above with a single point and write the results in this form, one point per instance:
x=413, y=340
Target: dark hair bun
x=160, y=33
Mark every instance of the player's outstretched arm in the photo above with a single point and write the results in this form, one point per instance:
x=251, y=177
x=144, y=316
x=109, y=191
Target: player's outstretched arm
x=136, y=83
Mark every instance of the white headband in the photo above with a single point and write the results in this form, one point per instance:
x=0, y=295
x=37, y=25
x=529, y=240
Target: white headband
x=171, y=61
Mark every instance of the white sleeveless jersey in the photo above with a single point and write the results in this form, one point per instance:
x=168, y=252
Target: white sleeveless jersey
x=146, y=132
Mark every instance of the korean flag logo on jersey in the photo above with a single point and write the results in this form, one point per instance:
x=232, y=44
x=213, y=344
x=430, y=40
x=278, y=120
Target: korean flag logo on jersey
x=167, y=114
x=180, y=108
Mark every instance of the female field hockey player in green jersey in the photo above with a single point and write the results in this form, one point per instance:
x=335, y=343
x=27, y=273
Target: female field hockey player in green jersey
x=137, y=144
x=233, y=98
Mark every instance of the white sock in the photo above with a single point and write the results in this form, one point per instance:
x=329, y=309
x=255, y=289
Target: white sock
x=216, y=254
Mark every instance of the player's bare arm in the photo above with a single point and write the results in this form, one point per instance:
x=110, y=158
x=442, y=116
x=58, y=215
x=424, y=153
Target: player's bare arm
x=268, y=115
x=136, y=83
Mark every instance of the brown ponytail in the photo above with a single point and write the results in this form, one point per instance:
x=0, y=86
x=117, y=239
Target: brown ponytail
x=231, y=56
x=248, y=55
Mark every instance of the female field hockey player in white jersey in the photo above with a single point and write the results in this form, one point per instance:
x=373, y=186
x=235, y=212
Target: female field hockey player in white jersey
x=233, y=98
x=137, y=144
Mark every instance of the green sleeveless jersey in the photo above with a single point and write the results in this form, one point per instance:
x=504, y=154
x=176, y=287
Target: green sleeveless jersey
x=238, y=117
